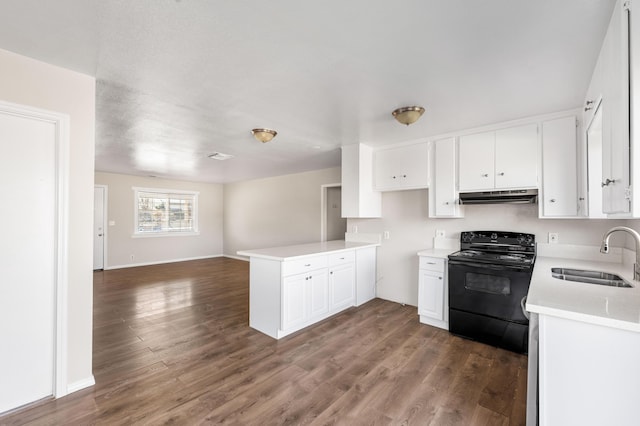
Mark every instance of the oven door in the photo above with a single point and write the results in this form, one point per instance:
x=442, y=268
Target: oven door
x=487, y=289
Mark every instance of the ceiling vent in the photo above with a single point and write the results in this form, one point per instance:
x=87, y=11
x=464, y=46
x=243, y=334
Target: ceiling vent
x=220, y=156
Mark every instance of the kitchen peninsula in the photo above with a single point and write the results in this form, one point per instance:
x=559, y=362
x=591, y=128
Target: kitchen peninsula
x=292, y=287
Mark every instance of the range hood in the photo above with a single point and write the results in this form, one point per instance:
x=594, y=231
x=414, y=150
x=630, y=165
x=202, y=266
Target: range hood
x=516, y=196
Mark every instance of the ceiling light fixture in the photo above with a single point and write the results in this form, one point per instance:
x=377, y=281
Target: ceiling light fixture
x=408, y=115
x=264, y=135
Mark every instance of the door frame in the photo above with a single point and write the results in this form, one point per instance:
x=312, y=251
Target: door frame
x=61, y=235
x=323, y=208
x=105, y=220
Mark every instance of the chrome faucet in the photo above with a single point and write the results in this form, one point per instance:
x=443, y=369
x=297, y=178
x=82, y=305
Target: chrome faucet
x=604, y=248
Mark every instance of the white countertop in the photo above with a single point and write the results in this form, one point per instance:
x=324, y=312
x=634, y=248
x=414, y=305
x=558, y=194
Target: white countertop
x=304, y=250
x=591, y=303
x=439, y=253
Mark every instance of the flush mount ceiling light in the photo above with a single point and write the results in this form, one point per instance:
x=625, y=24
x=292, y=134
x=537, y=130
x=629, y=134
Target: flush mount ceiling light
x=408, y=115
x=264, y=135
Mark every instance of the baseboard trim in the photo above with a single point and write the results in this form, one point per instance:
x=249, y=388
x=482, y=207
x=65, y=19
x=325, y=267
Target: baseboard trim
x=231, y=256
x=81, y=384
x=160, y=262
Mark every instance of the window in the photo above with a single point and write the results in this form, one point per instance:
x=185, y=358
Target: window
x=165, y=212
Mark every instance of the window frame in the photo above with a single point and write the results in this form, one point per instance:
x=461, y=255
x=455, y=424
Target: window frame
x=168, y=192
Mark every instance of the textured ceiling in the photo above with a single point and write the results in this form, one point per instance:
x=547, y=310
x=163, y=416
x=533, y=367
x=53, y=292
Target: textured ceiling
x=178, y=80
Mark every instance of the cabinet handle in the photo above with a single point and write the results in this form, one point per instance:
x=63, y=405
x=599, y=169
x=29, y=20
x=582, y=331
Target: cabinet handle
x=431, y=263
x=581, y=198
x=393, y=177
x=607, y=182
x=501, y=174
x=485, y=175
x=553, y=200
x=404, y=176
x=439, y=278
x=307, y=264
x=588, y=106
x=446, y=203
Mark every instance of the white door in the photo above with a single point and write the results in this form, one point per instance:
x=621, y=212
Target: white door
x=98, y=227
x=336, y=225
x=27, y=259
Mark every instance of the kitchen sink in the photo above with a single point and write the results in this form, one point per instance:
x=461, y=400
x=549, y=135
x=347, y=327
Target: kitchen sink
x=590, y=277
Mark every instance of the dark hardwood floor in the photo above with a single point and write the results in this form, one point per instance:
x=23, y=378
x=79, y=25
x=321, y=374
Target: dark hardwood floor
x=172, y=345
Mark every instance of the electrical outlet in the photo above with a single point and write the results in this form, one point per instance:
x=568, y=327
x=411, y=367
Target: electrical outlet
x=354, y=228
x=386, y=235
x=553, y=237
x=439, y=233
x=132, y=256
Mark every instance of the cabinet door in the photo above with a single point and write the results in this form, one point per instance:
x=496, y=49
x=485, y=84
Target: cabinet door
x=294, y=300
x=476, y=162
x=517, y=157
x=559, y=172
x=342, y=286
x=444, y=184
x=318, y=288
x=431, y=295
x=615, y=113
x=405, y=167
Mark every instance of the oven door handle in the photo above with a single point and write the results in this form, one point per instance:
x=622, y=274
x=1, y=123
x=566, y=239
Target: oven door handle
x=488, y=266
x=524, y=311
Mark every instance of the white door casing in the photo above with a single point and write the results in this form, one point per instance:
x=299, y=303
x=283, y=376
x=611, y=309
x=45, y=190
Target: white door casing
x=33, y=254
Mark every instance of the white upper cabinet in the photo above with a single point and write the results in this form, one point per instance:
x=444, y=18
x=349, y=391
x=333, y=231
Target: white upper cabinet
x=476, y=161
x=614, y=58
x=607, y=122
x=559, y=172
x=403, y=167
x=443, y=197
x=517, y=157
x=358, y=197
x=502, y=159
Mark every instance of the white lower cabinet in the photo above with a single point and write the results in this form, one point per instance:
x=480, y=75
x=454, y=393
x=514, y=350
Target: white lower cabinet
x=588, y=374
x=433, y=298
x=288, y=295
x=304, y=297
x=342, y=286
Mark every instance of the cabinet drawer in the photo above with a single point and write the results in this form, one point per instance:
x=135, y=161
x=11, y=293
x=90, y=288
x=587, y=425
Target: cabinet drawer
x=432, y=264
x=342, y=258
x=299, y=266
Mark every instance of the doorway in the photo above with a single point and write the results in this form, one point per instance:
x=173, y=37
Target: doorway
x=33, y=154
x=333, y=226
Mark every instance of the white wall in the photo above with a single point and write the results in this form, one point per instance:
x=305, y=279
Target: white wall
x=120, y=243
x=405, y=216
x=30, y=82
x=275, y=211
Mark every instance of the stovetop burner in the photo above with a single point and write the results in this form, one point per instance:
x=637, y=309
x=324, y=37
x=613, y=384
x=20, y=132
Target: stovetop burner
x=500, y=248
